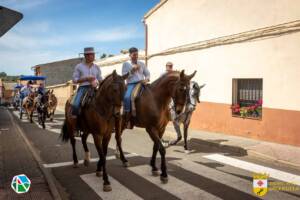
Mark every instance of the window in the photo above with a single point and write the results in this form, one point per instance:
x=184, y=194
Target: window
x=247, y=98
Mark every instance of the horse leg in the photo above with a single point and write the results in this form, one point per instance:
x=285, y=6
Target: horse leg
x=102, y=162
x=73, y=142
x=31, y=114
x=186, y=126
x=155, y=171
x=43, y=119
x=119, y=150
x=178, y=131
x=155, y=136
x=52, y=115
x=86, y=150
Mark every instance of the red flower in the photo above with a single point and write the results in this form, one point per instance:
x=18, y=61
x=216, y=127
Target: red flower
x=260, y=102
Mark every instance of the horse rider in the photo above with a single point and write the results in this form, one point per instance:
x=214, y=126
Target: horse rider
x=169, y=68
x=26, y=90
x=138, y=72
x=40, y=92
x=41, y=89
x=87, y=75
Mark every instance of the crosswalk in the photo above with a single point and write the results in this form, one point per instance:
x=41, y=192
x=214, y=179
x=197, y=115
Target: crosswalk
x=183, y=188
x=214, y=176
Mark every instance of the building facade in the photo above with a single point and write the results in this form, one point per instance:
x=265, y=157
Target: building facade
x=246, y=52
x=58, y=72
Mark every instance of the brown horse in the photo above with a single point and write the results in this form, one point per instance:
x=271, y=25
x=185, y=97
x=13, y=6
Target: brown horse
x=29, y=106
x=152, y=113
x=52, y=104
x=97, y=118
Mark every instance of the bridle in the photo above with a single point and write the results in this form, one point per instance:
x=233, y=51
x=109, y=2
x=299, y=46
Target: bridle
x=114, y=105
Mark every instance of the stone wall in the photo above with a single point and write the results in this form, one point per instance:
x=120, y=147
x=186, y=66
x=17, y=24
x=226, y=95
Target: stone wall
x=58, y=72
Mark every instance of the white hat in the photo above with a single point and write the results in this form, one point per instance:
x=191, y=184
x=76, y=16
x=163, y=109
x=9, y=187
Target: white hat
x=88, y=50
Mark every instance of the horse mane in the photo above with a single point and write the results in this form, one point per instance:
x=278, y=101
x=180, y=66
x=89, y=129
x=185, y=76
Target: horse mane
x=103, y=83
x=174, y=75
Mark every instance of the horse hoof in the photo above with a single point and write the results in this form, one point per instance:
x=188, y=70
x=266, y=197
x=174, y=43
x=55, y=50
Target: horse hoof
x=155, y=173
x=164, y=180
x=188, y=151
x=86, y=163
x=107, y=188
x=99, y=173
x=166, y=144
x=126, y=164
x=75, y=165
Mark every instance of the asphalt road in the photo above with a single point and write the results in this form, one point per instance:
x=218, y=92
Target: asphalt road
x=206, y=173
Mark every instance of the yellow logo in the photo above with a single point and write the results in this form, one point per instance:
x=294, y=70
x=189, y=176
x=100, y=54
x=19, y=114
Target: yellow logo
x=260, y=184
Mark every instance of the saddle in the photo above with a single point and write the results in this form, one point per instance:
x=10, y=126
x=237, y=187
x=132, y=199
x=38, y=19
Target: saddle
x=136, y=93
x=87, y=98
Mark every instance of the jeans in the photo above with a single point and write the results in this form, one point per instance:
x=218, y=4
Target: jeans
x=127, y=97
x=77, y=99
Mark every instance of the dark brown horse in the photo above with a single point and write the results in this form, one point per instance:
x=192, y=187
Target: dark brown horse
x=152, y=113
x=97, y=118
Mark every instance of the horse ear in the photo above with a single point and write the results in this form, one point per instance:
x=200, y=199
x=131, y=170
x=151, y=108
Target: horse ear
x=182, y=74
x=202, y=86
x=125, y=76
x=114, y=74
x=189, y=77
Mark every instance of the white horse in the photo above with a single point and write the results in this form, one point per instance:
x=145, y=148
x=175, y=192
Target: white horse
x=186, y=115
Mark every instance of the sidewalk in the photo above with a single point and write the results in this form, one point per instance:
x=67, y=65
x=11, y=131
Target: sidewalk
x=15, y=159
x=281, y=153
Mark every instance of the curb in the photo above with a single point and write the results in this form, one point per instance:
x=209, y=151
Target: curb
x=50, y=179
x=261, y=155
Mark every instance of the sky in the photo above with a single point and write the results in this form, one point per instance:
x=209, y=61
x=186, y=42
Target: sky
x=54, y=30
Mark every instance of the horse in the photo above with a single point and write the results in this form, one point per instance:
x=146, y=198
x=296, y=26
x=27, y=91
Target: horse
x=28, y=105
x=185, y=117
x=52, y=104
x=152, y=113
x=41, y=105
x=97, y=118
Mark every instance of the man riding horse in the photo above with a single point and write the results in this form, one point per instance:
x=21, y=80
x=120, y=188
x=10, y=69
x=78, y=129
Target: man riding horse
x=87, y=75
x=138, y=73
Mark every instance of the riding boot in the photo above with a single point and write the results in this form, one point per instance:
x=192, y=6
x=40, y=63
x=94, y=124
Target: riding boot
x=128, y=123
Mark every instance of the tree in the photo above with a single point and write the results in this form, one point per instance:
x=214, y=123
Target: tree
x=111, y=55
x=3, y=74
x=103, y=56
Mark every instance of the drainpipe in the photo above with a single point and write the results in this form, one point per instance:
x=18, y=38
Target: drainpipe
x=146, y=42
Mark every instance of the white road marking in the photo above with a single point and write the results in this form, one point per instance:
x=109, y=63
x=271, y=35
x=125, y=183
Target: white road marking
x=119, y=191
x=224, y=176
x=274, y=173
x=174, y=186
x=62, y=164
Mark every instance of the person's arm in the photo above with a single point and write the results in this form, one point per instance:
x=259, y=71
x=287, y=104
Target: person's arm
x=126, y=69
x=146, y=73
x=77, y=79
x=99, y=74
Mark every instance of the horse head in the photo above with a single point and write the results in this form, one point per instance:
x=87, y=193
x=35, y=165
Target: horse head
x=181, y=91
x=195, y=92
x=113, y=88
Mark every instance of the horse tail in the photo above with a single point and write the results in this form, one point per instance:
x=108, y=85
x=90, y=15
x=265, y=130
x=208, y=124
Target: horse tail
x=64, y=132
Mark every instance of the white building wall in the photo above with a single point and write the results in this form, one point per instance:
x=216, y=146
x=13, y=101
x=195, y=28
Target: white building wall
x=276, y=60
x=179, y=22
